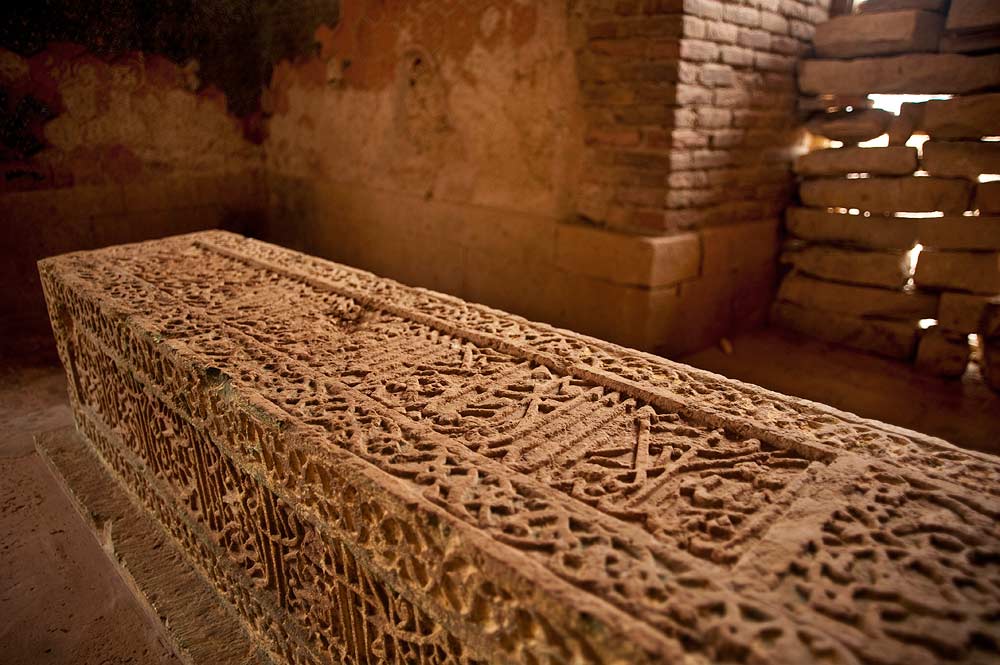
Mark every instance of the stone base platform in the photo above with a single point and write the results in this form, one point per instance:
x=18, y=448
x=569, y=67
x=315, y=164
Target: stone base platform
x=195, y=621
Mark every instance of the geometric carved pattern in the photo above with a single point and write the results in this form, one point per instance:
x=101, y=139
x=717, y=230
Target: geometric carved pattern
x=904, y=564
x=368, y=472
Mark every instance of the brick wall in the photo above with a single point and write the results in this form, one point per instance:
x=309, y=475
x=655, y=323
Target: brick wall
x=690, y=109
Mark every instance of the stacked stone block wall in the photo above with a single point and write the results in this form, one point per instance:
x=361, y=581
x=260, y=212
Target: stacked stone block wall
x=896, y=249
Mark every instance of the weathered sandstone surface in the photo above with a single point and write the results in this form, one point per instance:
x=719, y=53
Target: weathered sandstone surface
x=913, y=73
x=973, y=15
x=989, y=336
x=902, y=126
x=943, y=353
x=373, y=473
x=974, y=232
x=972, y=42
x=879, y=33
x=970, y=117
x=976, y=272
x=888, y=195
x=851, y=126
x=893, y=160
x=892, y=339
x=987, y=200
x=961, y=159
x=961, y=312
x=885, y=268
x=857, y=230
x=963, y=232
x=859, y=301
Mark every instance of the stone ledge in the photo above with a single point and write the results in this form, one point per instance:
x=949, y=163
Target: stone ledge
x=857, y=301
x=961, y=312
x=874, y=232
x=943, y=353
x=869, y=268
x=973, y=15
x=975, y=42
x=893, y=160
x=988, y=198
x=916, y=74
x=961, y=159
x=881, y=33
x=851, y=127
x=991, y=364
x=959, y=232
x=888, y=195
x=892, y=339
x=975, y=272
x=967, y=117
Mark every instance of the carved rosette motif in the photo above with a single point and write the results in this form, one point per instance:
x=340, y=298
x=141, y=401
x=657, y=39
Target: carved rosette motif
x=373, y=473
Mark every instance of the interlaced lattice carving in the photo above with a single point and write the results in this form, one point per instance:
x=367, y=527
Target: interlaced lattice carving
x=369, y=473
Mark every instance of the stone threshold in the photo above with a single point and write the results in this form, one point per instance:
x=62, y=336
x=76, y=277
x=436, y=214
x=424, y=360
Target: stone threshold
x=195, y=621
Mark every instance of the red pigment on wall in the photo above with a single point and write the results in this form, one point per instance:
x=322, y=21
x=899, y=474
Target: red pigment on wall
x=45, y=76
x=367, y=43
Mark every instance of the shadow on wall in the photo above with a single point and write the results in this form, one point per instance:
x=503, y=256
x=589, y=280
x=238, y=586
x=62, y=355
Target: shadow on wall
x=233, y=43
x=41, y=223
x=116, y=151
x=128, y=121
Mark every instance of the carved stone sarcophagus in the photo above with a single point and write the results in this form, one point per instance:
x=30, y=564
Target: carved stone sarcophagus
x=367, y=472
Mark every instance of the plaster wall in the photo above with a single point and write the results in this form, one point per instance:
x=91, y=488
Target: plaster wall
x=102, y=151
x=471, y=102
